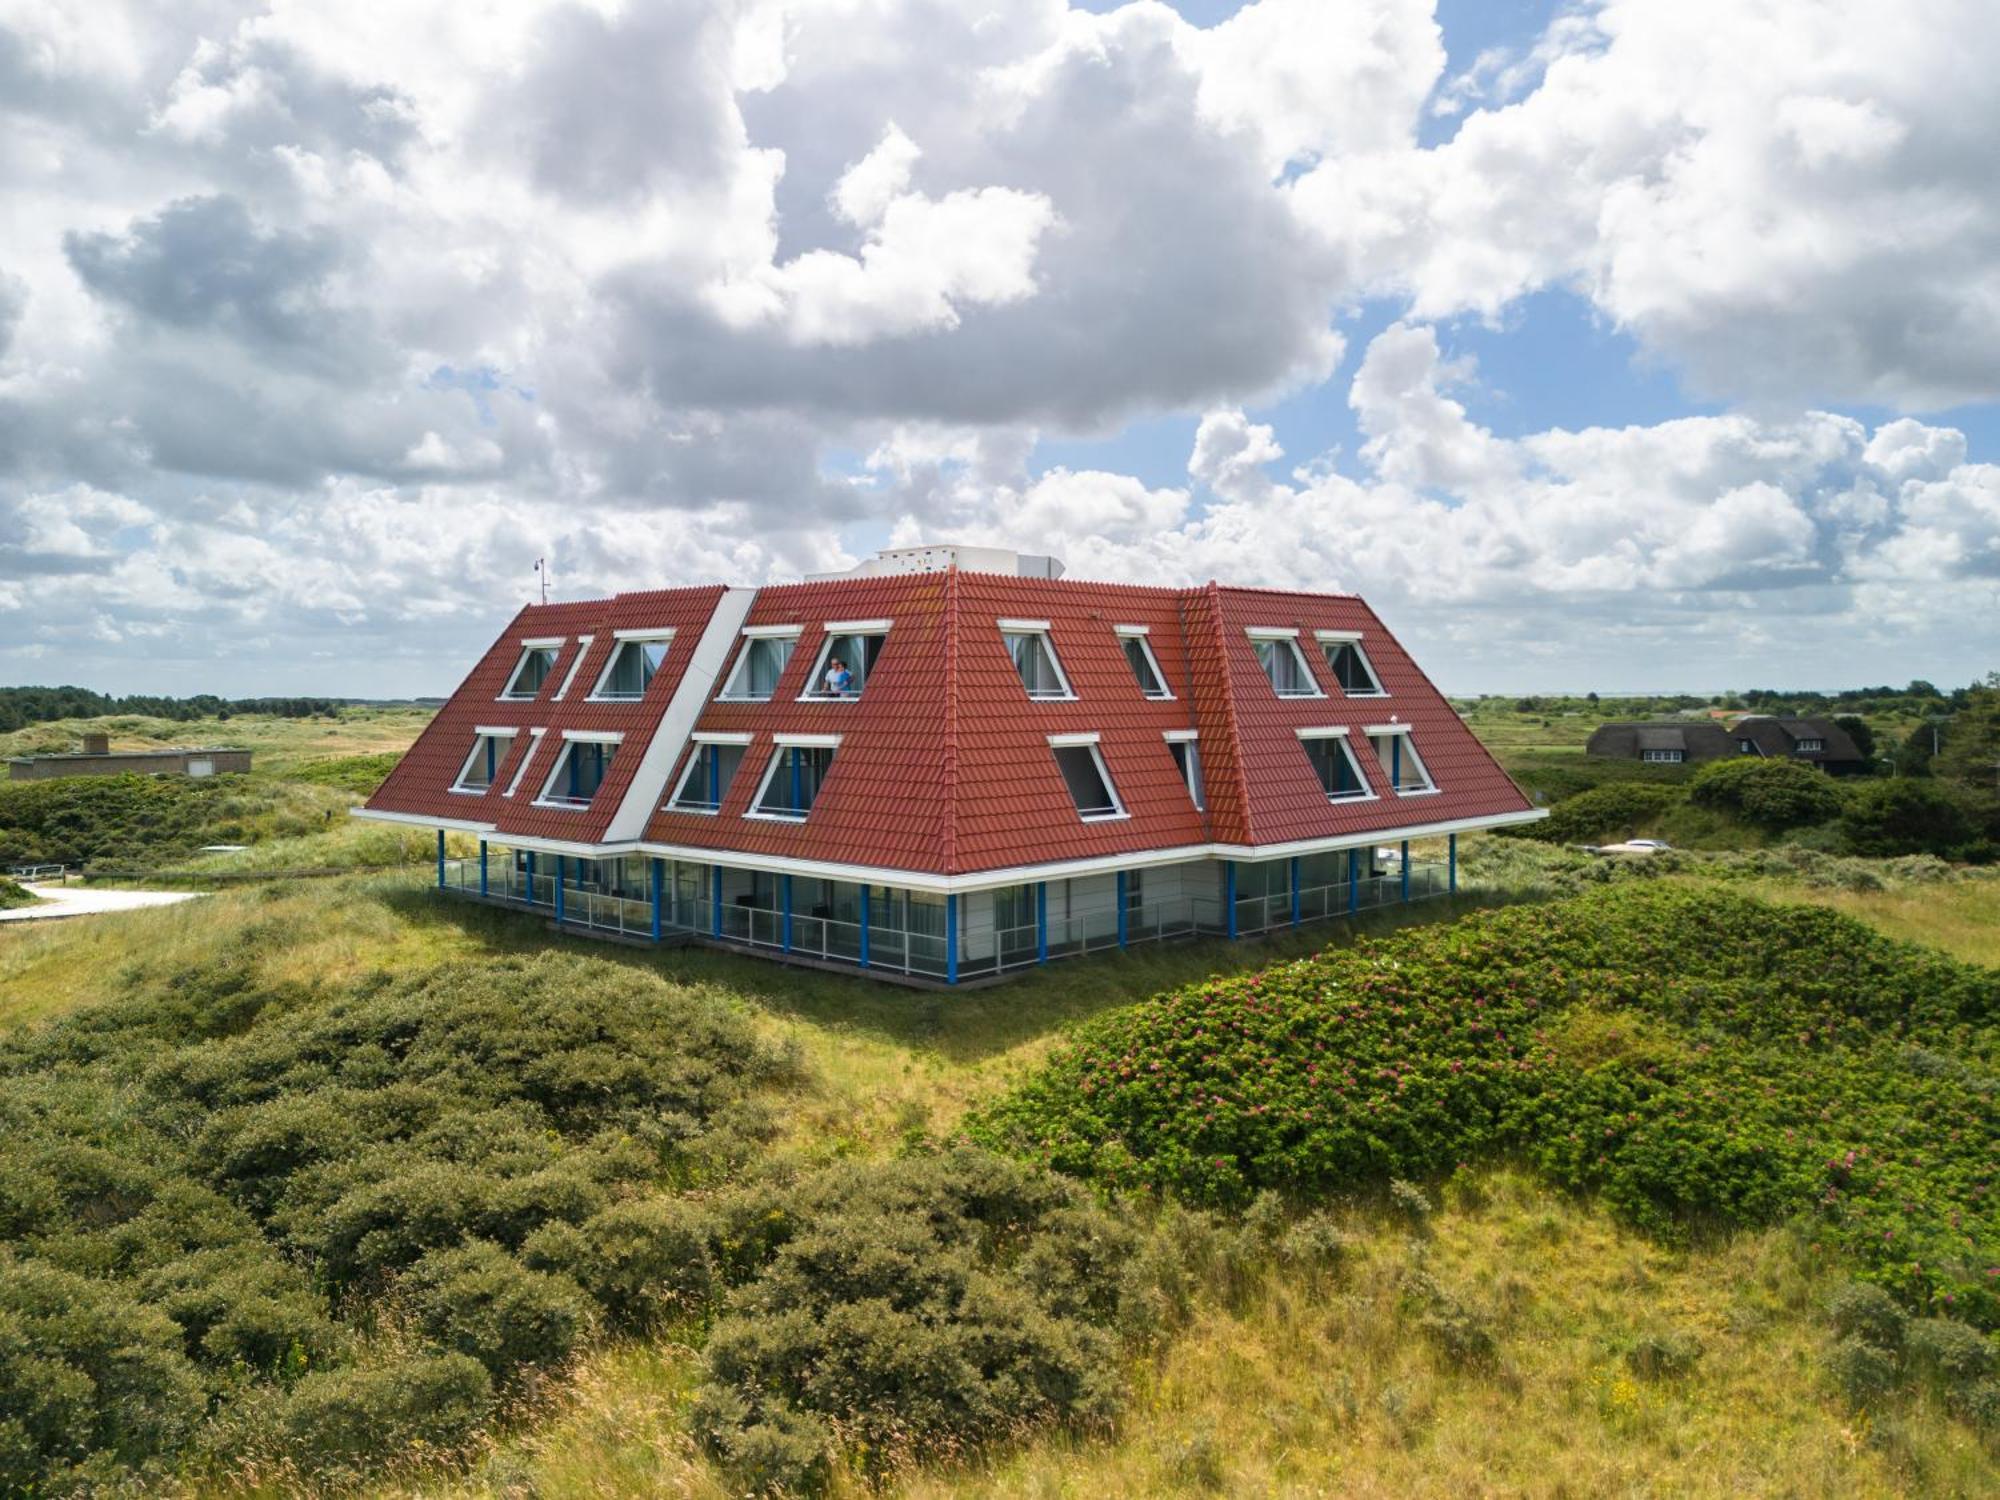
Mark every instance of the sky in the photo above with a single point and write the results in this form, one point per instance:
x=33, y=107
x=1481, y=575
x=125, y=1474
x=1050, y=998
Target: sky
x=1641, y=345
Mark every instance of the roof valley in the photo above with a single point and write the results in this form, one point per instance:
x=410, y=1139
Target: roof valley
x=1216, y=641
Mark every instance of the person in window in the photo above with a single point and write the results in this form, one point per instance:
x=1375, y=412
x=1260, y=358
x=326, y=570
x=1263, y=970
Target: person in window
x=839, y=681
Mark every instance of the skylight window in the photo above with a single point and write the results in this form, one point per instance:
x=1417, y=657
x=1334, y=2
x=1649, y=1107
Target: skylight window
x=1400, y=760
x=1145, y=666
x=792, y=780
x=1034, y=657
x=1187, y=760
x=710, y=770
x=1333, y=762
x=846, y=660
x=579, y=770
x=1089, y=782
x=1279, y=655
x=538, y=659
x=1349, y=663
x=759, y=665
x=634, y=661
x=489, y=748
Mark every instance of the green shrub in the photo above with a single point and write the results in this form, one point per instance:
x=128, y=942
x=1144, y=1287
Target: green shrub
x=1862, y=1372
x=1864, y=1311
x=360, y=1419
x=1663, y=1356
x=1906, y=816
x=479, y=1300
x=1699, y=1060
x=1952, y=1353
x=924, y=1307
x=1619, y=810
x=1772, y=794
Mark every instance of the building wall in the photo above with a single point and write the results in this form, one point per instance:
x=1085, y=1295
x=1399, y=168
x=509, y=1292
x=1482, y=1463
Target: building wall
x=138, y=763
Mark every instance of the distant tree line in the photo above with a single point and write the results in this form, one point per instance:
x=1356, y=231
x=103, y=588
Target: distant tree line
x=22, y=706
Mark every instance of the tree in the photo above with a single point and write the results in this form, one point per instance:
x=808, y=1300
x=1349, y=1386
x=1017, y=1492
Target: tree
x=1770, y=793
x=1858, y=731
x=1886, y=818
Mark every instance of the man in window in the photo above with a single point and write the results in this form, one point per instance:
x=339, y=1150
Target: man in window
x=839, y=681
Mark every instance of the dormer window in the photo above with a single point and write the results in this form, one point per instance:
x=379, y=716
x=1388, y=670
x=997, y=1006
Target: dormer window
x=1084, y=772
x=710, y=770
x=846, y=660
x=792, y=780
x=1811, y=747
x=760, y=663
x=1348, y=663
x=636, y=657
x=580, y=770
x=1279, y=655
x=1333, y=762
x=538, y=659
x=1399, y=758
x=1034, y=658
x=1187, y=760
x=1139, y=656
x=489, y=748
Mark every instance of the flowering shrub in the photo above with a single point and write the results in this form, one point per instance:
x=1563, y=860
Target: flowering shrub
x=1700, y=1059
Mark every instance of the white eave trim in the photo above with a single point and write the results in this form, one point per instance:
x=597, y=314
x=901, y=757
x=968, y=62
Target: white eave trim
x=663, y=633
x=1271, y=632
x=1061, y=741
x=716, y=737
x=809, y=742
x=858, y=627
x=456, y=825
x=1023, y=627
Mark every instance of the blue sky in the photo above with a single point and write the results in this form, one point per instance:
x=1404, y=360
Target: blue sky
x=1604, y=344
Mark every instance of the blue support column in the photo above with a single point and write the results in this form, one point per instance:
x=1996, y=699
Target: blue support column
x=482, y=867
x=562, y=874
x=1229, y=895
x=864, y=926
x=785, y=897
x=1452, y=847
x=1353, y=881
x=659, y=890
x=1406, y=869
x=715, y=903
x=440, y=859
x=1041, y=921
x=1295, y=890
x=951, y=939
x=531, y=877
x=1123, y=930
x=1396, y=761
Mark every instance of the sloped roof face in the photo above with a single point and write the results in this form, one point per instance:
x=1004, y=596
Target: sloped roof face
x=421, y=783
x=1283, y=798
x=1781, y=736
x=944, y=764
x=1662, y=739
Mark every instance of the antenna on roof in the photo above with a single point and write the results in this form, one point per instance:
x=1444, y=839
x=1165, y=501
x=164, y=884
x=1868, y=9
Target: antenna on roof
x=542, y=573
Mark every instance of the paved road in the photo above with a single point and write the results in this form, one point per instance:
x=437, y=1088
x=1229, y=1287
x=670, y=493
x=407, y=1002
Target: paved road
x=81, y=901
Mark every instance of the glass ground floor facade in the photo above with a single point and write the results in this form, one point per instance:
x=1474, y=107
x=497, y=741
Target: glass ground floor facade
x=925, y=936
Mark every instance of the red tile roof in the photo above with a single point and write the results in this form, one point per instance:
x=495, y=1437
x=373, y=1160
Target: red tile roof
x=944, y=765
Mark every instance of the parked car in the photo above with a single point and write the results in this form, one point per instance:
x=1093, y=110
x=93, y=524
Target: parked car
x=1632, y=846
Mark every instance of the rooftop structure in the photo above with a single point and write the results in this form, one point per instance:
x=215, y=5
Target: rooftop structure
x=946, y=773
x=97, y=758
x=1815, y=742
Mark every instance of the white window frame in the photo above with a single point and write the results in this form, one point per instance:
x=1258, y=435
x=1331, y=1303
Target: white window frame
x=534, y=744
x=838, y=630
x=621, y=639
x=570, y=739
x=695, y=743
x=1140, y=633
x=533, y=644
x=1351, y=638
x=1430, y=787
x=1043, y=629
x=780, y=743
x=1340, y=732
x=1089, y=742
x=1288, y=637
x=728, y=692
x=1812, y=747
x=480, y=734
x=1663, y=757
x=583, y=645
x=1192, y=771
